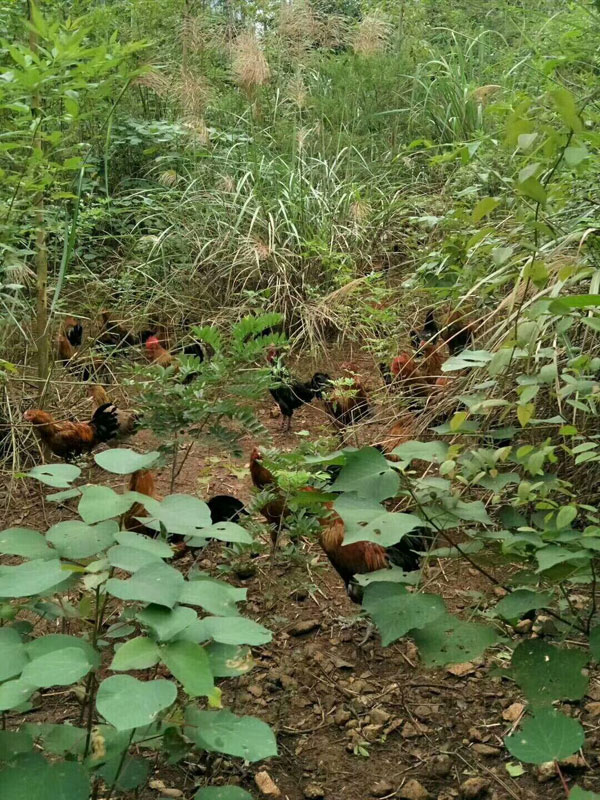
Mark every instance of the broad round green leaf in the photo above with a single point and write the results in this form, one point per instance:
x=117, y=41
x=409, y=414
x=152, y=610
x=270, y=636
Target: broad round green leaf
x=229, y=660
x=368, y=473
x=32, y=577
x=448, y=640
x=74, y=539
x=156, y=583
x=60, y=476
x=423, y=451
x=367, y=520
x=59, y=641
x=59, y=668
x=123, y=461
x=230, y=630
x=227, y=532
x=189, y=663
x=546, y=673
x=165, y=623
x=214, y=596
x=138, y=653
x=155, y=546
x=182, y=514
x=520, y=602
x=25, y=542
x=99, y=503
x=58, y=739
x=222, y=732
x=222, y=793
x=31, y=777
x=395, y=611
x=577, y=793
x=13, y=694
x=128, y=703
x=14, y=742
x=131, y=773
x=548, y=736
x=130, y=559
x=13, y=656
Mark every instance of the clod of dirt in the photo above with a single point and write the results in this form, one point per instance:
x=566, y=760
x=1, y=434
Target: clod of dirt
x=371, y=732
x=499, y=591
x=441, y=766
x=379, y=717
x=475, y=788
x=593, y=709
x=573, y=763
x=460, y=670
x=593, y=691
x=304, y=626
x=514, y=712
x=486, y=750
x=475, y=735
x=312, y=791
x=266, y=784
x=339, y=663
x=413, y=790
x=426, y=711
x=255, y=690
x=546, y=772
x=409, y=731
x=341, y=717
x=381, y=789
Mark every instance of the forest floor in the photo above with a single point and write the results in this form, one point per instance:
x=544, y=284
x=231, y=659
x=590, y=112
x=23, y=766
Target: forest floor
x=352, y=722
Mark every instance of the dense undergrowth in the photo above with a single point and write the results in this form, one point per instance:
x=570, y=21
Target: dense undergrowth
x=345, y=166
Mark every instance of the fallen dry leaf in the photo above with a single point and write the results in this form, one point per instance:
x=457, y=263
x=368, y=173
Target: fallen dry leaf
x=460, y=670
x=514, y=712
x=266, y=784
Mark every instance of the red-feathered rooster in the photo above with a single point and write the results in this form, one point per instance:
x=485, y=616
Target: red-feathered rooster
x=67, y=439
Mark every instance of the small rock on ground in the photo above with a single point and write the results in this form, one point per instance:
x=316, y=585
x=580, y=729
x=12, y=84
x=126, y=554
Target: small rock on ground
x=413, y=790
x=312, y=791
x=475, y=788
x=304, y=626
x=381, y=789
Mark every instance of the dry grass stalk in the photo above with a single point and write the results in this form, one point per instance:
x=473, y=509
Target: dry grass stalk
x=299, y=26
x=250, y=67
x=371, y=36
x=193, y=94
x=160, y=84
x=297, y=92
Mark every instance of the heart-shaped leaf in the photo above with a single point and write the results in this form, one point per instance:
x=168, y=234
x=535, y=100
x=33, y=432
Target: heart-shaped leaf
x=139, y=541
x=138, y=653
x=368, y=520
x=230, y=630
x=188, y=662
x=156, y=583
x=395, y=611
x=32, y=577
x=521, y=601
x=13, y=656
x=213, y=596
x=101, y=502
x=31, y=777
x=60, y=476
x=25, y=542
x=128, y=703
x=223, y=732
x=546, y=673
x=58, y=668
x=74, y=539
x=165, y=623
x=123, y=461
x=367, y=473
x=228, y=660
x=548, y=736
x=130, y=559
x=227, y=532
x=448, y=640
x=181, y=514
x=14, y=694
x=59, y=641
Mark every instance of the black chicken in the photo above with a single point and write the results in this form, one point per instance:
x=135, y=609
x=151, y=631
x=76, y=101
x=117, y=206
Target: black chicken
x=288, y=393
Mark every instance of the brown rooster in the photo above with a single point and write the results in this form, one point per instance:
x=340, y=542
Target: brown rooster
x=345, y=405
x=67, y=439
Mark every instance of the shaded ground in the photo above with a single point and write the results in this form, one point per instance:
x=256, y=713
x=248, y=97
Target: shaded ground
x=352, y=722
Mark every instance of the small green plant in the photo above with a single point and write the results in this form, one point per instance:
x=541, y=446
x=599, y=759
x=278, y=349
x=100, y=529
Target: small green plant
x=128, y=613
